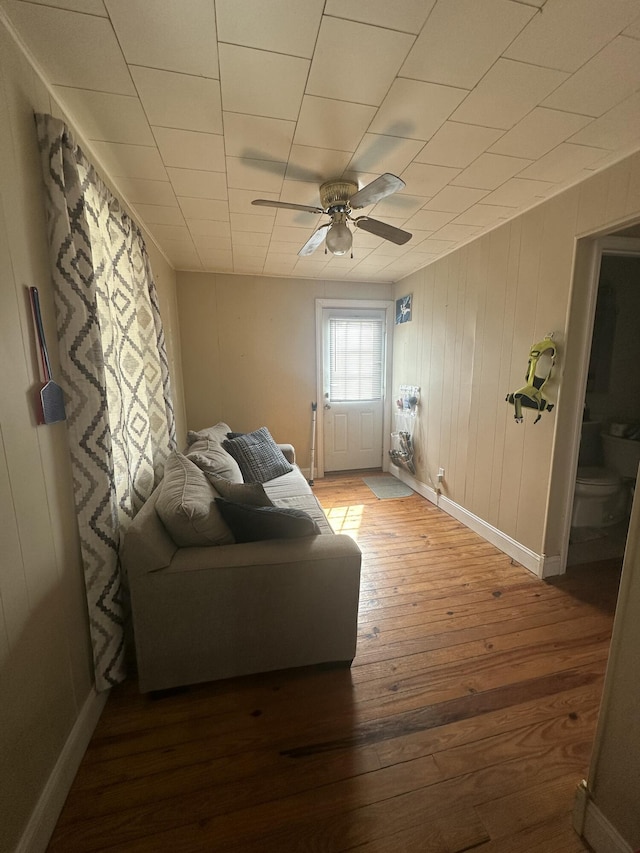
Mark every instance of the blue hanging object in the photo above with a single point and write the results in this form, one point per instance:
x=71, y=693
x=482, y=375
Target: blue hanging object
x=542, y=357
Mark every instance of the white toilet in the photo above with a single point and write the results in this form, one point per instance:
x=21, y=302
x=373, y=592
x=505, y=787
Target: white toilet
x=601, y=496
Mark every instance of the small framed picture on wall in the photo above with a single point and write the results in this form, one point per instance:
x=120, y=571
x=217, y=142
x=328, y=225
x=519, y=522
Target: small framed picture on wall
x=403, y=309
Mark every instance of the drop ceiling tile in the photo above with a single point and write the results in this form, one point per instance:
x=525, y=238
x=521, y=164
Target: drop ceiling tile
x=208, y=228
x=216, y=261
x=179, y=100
x=291, y=26
x=155, y=214
x=141, y=191
x=507, y=93
x=462, y=39
x=415, y=109
x=436, y=247
x=428, y=220
x=190, y=149
x=381, y=154
x=171, y=232
x=73, y=50
x=399, y=205
x=337, y=69
x=619, y=128
x=182, y=255
x=205, y=208
x=569, y=32
x=457, y=144
x=455, y=199
x=308, y=163
x=282, y=248
x=484, y=215
x=279, y=266
x=301, y=192
x=276, y=87
x=249, y=238
x=196, y=184
x=610, y=77
x=256, y=252
x=250, y=222
x=240, y=202
x=88, y=7
x=169, y=35
x=106, y=117
x=130, y=161
x=518, y=192
x=258, y=175
x=283, y=234
x=332, y=124
x=425, y=180
x=408, y=16
x=456, y=232
x=633, y=30
x=562, y=163
x=297, y=219
x=209, y=243
x=538, y=132
x=490, y=170
x=268, y=138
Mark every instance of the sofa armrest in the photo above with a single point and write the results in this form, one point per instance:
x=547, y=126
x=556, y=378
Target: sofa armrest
x=289, y=452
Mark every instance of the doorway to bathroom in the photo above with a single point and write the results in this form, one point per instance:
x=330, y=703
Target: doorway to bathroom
x=609, y=450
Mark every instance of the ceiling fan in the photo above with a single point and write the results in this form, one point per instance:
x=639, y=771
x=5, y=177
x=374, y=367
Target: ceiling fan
x=338, y=199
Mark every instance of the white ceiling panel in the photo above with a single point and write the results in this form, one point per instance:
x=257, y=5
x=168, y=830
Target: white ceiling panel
x=178, y=100
x=415, y=109
x=277, y=82
x=457, y=144
x=489, y=171
x=291, y=26
x=337, y=125
x=131, y=161
x=538, y=132
x=604, y=81
x=463, y=38
x=337, y=70
x=195, y=184
x=189, y=149
x=72, y=49
x=507, y=93
x=165, y=34
x=107, y=117
x=272, y=137
x=408, y=16
x=195, y=109
x=567, y=33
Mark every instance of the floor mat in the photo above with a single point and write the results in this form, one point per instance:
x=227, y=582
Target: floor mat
x=387, y=487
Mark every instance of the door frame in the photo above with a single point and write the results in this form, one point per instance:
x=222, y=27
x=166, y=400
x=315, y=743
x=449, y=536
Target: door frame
x=386, y=305
x=581, y=318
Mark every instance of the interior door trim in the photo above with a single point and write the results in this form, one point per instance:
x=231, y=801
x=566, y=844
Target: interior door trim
x=380, y=304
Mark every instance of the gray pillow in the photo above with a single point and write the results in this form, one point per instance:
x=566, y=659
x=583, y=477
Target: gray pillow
x=252, y=494
x=259, y=457
x=186, y=505
x=215, y=433
x=255, y=523
x=211, y=458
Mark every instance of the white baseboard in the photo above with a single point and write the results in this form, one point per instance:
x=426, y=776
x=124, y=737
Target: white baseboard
x=42, y=822
x=594, y=827
x=541, y=565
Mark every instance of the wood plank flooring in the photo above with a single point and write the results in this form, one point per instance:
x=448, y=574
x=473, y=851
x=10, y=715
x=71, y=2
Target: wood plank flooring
x=466, y=721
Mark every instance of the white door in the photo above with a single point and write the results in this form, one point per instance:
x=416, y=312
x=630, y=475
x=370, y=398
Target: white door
x=353, y=399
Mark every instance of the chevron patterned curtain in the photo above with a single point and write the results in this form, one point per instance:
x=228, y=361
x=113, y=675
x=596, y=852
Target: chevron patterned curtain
x=114, y=372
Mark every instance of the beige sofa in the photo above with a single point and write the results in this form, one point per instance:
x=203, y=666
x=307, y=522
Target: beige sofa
x=211, y=611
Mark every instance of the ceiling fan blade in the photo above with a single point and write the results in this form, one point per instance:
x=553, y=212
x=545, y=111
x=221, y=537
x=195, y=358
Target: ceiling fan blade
x=382, y=229
x=380, y=188
x=264, y=202
x=314, y=241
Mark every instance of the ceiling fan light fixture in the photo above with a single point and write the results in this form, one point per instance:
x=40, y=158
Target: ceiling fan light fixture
x=339, y=238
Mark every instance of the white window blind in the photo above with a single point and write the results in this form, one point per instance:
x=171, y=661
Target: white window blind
x=355, y=358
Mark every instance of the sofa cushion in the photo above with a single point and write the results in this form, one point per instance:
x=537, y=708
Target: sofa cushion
x=255, y=523
x=211, y=458
x=186, y=505
x=259, y=457
x=215, y=433
x=252, y=494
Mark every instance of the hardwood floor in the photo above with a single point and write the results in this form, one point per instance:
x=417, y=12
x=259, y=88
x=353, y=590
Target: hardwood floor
x=466, y=721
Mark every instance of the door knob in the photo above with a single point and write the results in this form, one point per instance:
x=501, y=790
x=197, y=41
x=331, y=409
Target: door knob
x=327, y=406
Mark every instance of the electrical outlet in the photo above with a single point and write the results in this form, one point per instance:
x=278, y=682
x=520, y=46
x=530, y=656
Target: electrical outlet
x=440, y=474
